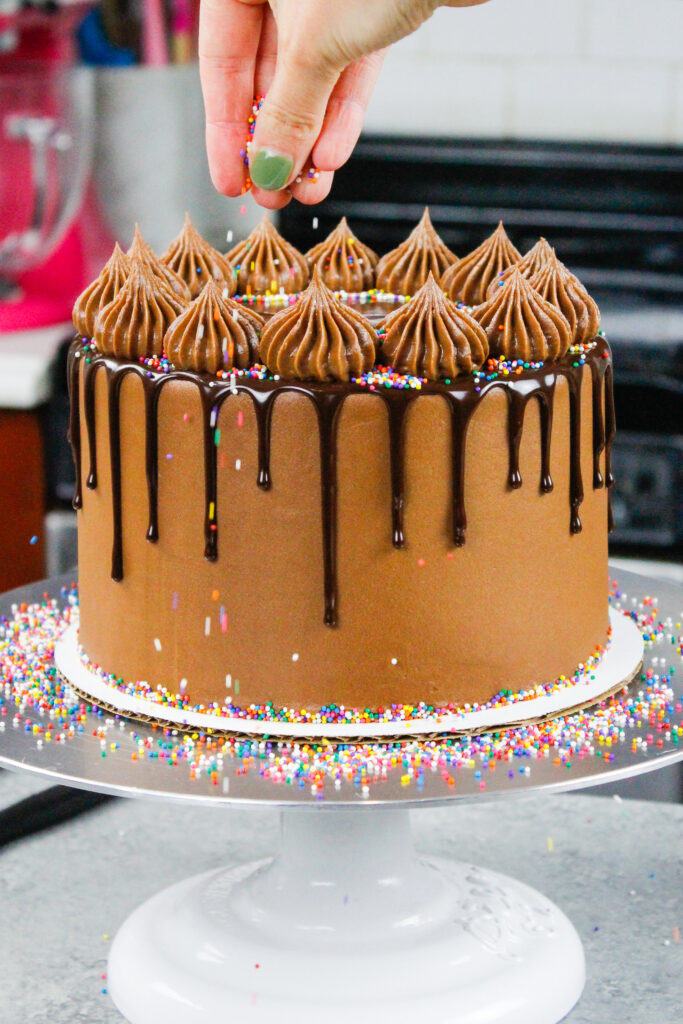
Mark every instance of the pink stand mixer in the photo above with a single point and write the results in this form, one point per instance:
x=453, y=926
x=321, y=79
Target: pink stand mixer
x=45, y=144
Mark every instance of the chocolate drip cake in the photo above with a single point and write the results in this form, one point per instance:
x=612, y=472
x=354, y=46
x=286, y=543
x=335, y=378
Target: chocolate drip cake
x=304, y=512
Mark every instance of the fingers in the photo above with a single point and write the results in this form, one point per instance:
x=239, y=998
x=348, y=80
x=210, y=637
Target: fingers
x=310, y=192
x=345, y=112
x=291, y=117
x=229, y=34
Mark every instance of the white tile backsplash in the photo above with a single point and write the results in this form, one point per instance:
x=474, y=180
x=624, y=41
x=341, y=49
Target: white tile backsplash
x=420, y=95
x=628, y=28
x=567, y=99
x=575, y=69
x=507, y=28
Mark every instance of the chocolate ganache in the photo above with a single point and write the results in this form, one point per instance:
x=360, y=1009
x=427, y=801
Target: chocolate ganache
x=195, y=261
x=405, y=269
x=265, y=262
x=430, y=337
x=468, y=280
x=344, y=263
x=100, y=292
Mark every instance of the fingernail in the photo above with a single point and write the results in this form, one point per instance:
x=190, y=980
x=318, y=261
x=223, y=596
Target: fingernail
x=270, y=170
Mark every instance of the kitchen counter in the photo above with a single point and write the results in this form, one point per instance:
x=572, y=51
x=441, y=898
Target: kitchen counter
x=613, y=866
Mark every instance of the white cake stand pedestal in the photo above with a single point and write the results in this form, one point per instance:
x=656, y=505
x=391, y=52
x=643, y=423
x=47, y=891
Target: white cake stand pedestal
x=347, y=923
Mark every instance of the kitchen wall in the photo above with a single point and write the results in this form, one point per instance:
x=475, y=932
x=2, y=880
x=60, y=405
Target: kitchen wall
x=569, y=69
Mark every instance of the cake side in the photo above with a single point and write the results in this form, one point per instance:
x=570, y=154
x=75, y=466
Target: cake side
x=430, y=621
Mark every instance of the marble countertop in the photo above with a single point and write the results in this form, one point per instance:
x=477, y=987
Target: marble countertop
x=613, y=865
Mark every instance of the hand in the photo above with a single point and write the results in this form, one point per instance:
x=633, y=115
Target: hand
x=317, y=62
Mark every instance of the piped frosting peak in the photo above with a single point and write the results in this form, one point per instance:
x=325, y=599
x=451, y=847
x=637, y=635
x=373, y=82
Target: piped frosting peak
x=214, y=333
x=102, y=290
x=430, y=337
x=530, y=263
x=555, y=283
x=468, y=280
x=520, y=324
x=195, y=261
x=344, y=263
x=405, y=269
x=133, y=324
x=265, y=262
x=140, y=250
x=318, y=338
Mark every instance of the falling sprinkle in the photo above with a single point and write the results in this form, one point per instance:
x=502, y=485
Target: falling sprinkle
x=238, y=463
x=240, y=419
x=215, y=595
x=174, y=602
x=315, y=223
x=183, y=685
x=207, y=625
x=228, y=681
x=229, y=237
x=551, y=844
x=243, y=209
x=157, y=643
x=34, y=540
x=295, y=657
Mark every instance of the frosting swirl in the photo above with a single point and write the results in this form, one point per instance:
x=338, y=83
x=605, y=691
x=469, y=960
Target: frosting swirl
x=537, y=256
x=468, y=279
x=520, y=324
x=555, y=283
x=195, y=261
x=266, y=262
x=100, y=292
x=405, y=269
x=141, y=251
x=430, y=337
x=318, y=338
x=133, y=324
x=213, y=333
x=344, y=263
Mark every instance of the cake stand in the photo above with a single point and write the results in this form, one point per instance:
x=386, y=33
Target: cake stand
x=346, y=922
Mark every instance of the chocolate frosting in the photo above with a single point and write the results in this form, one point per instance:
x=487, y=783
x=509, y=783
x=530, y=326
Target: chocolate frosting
x=468, y=280
x=537, y=256
x=404, y=270
x=266, y=262
x=102, y=290
x=555, y=283
x=344, y=263
x=195, y=261
x=520, y=324
x=430, y=337
x=133, y=324
x=213, y=333
x=140, y=250
x=319, y=338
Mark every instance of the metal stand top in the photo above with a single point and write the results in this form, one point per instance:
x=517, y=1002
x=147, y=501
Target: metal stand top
x=126, y=758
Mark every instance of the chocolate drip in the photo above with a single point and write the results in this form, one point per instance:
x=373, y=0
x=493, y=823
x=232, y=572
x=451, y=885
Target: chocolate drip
x=89, y=378
x=397, y=406
x=263, y=407
x=114, y=393
x=327, y=407
x=575, y=478
x=463, y=397
x=74, y=435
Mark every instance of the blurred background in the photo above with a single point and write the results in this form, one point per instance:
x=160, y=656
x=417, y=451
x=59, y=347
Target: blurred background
x=564, y=119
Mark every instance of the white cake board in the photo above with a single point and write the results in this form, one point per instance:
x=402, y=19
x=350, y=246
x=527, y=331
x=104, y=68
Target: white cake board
x=618, y=665
x=347, y=924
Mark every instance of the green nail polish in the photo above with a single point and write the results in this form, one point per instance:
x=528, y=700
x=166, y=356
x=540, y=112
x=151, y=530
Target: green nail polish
x=270, y=170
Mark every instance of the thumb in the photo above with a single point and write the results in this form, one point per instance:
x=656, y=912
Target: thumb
x=291, y=118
